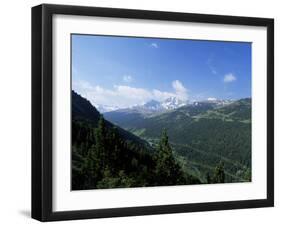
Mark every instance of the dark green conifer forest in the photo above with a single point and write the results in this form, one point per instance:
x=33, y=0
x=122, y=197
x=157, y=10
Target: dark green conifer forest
x=102, y=159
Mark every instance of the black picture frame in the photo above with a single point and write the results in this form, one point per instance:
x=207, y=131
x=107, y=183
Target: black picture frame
x=42, y=111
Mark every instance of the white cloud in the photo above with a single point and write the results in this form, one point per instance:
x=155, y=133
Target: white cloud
x=211, y=99
x=126, y=96
x=161, y=96
x=181, y=91
x=132, y=93
x=154, y=45
x=229, y=78
x=81, y=85
x=127, y=78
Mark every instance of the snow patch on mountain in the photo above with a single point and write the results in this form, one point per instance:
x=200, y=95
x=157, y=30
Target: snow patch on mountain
x=173, y=103
x=154, y=106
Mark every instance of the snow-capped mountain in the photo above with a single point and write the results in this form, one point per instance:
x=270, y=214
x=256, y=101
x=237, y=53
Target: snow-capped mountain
x=150, y=107
x=173, y=103
x=154, y=106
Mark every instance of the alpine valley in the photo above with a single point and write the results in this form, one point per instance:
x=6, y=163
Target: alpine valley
x=202, y=134
x=172, y=142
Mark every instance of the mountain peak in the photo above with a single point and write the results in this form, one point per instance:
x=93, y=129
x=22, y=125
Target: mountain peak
x=173, y=103
x=152, y=103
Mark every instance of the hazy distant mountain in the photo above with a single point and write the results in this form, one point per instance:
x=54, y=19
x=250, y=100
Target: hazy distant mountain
x=224, y=110
x=214, y=102
x=151, y=107
x=154, y=106
x=105, y=108
x=124, y=116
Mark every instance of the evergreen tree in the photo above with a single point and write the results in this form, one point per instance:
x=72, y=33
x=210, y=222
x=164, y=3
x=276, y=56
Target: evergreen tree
x=168, y=172
x=100, y=151
x=113, y=150
x=219, y=174
x=247, y=175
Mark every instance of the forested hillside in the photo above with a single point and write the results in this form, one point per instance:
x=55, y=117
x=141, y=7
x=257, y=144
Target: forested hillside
x=106, y=156
x=203, y=136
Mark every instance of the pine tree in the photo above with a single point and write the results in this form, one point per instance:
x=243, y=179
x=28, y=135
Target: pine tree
x=168, y=172
x=113, y=150
x=100, y=144
x=219, y=174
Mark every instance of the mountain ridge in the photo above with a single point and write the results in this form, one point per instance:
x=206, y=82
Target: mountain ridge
x=153, y=106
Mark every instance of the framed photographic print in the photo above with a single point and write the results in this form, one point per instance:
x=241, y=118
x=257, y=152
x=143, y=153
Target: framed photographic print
x=145, y=112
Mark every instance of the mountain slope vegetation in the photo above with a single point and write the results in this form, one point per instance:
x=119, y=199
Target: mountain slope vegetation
x=106, y=156
x=202, y=135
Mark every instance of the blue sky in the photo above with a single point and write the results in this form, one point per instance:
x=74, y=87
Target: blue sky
x=124, y=71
